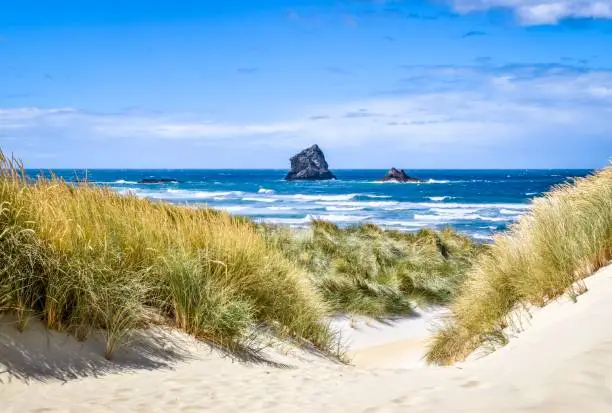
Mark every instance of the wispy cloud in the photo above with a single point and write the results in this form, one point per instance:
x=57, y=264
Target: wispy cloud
x=526, y=105
x=535, y=12
x=318, y=117
x=74, y=122
x=363, y=113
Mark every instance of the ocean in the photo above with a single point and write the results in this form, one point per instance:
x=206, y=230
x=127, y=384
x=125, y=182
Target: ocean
x=476, y=202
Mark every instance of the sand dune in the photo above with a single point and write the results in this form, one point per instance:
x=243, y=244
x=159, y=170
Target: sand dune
x=562, y=362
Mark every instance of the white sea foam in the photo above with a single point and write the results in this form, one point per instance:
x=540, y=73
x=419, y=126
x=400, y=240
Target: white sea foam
x=342, y=202
x=438, y=207
x=383, y=182
x=128, y=191
x=206, y=194
x=297, y=208
x=504, y=211
x=259, y=199
x=399, y=206
x=363, y=204
x=124, y=182
x=178, y=194
x=302, y=197
x=338, y=208
x=195, y=194
x=429, y=181
x=459, y=217
x=443, y=218
x=310, y=218
x=340, y=218
x=232, y=208
x=454, y=211
x=282, y=208
x=481, y=236
x=463, y=206
x=398, y=223
x=286, y=221
x=377, y=196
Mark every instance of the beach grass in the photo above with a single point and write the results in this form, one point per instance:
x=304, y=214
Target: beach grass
x=566, y=237
x=365, y=270
x=84, y=258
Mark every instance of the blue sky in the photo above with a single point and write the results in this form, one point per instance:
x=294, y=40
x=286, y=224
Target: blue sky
x=244, y=84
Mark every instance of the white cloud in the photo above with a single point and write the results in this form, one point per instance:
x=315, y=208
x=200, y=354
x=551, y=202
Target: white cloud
x=490, y=105
x=149, y=126
x=484, y=107
x=533, y=12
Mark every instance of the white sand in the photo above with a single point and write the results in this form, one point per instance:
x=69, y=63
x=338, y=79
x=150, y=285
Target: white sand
x=562, y=363
x=399, y=343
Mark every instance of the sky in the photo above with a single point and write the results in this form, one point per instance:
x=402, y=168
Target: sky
x=247, y=83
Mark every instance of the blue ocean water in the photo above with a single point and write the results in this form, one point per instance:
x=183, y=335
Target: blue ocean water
x=476, y=202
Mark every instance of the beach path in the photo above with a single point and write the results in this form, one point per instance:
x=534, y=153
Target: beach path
x=561, y=363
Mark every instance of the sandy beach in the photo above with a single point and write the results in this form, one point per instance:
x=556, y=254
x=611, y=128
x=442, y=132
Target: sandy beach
x=562, y=362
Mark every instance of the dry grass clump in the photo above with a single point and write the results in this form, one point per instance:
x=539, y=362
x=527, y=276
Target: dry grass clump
x=84, y=258
x=566, y=237
x=369, y=271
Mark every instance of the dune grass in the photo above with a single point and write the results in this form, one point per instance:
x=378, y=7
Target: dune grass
x=83, y=258
x=565, y=238
x=369, y=271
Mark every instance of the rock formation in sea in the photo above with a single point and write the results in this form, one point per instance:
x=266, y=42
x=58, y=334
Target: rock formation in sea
x=309, y=165
x=399, y=175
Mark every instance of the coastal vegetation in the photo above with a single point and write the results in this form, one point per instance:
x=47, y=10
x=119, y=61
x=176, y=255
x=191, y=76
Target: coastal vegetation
x=365, y=270
x=565, y=238
x=83, y=258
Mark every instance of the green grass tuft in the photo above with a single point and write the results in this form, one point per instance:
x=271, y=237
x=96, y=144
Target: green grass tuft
x=369, y=271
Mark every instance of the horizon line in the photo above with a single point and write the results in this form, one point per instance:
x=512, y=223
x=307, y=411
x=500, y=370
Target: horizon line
x=288, y=169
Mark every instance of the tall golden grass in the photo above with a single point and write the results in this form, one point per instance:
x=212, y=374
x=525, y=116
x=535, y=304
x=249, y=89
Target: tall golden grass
x=565, y=238
x=83, y=258
x=380, y=273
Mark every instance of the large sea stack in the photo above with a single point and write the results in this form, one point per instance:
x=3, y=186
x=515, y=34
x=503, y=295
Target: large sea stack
x=399, y=175
x=309, y=165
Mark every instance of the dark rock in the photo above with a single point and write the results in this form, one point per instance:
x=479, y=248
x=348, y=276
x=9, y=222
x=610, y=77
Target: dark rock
x=157, y=181
x=399, y=175
x=310, y=165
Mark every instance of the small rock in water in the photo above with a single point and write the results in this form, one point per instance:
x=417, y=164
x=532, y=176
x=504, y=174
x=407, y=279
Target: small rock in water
x=309, y=165
x=399, y=175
